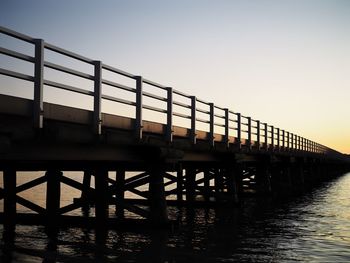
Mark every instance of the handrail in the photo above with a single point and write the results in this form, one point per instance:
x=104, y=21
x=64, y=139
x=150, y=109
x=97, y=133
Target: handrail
x=268, y=137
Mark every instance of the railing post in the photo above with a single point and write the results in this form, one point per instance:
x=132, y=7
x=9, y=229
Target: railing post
x=138, y=120
x=309, y=146
x=288, y=137
x=258, y=134
x=266, y=137
x=38, y=104
x=278, y=139
x=296, y=142
x=193, y=119
x=97, y=119
x=239, y=130
x=211, y=124
x=227, y=128
x=283, y=140
x=169, y=132
x=299, y=143
x=272, y=137
x=291, y=141
x=249, y=132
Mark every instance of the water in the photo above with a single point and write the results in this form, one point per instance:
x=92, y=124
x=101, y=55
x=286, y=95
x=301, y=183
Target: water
x=314, y=227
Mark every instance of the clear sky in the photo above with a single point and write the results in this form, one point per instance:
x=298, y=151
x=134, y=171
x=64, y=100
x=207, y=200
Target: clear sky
x=283, y=62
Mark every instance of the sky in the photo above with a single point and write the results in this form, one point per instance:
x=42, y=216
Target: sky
x=282, y=62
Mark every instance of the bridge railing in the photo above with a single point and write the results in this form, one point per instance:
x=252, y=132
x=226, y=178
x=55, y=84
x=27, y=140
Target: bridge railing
x=234, y=128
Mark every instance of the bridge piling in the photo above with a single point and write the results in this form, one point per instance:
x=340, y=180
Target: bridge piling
x=85, y=196
x=9, y=180
x=263, y=180
x=179, y=184
x=230, y=178
x=207, y=190
x=53, y=196
x=101, y=197
x=190, y=183
x=218, y=183
x=157, y=201
x=120, y=192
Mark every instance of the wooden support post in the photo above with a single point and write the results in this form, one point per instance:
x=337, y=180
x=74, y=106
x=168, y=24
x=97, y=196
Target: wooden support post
x=86, y=185
x=249, y=133
x=193, y=119
x=232, y=188
x=263, y=180
x=139, y=105
x=120, y=193
x=190, y=185
x=258, y=134
x=9, y=177
x=101, y=197
x=97, y=119
x=227, y=128
x=281, y=180
x=283, y=140
x=239, y=131
x=211, y=124
x=156, y=198
x=218, y=183
x=238, y=178
x=38, y=104
x=288, y=141
x=266, y=137
x=169, y=131
x=85, y=193
x=53, y=196
x=207, y=185
x=272, y=138
x=179, y=182
x=278, y=139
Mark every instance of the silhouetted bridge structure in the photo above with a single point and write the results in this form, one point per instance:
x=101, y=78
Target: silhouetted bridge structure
x=197, y=153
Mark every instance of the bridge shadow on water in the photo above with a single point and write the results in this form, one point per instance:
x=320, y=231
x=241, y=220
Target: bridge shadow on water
x=261, y=229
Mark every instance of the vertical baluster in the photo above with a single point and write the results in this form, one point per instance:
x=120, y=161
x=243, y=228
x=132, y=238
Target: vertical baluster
x=138, y=120
x=266, y=137
x=272, y=138
x=193, y=119
x=169, y=132
x=258, y=134
x=249, y=132
x=278, y=139
x=211, y=124
x=239, y=130
x=97, y=120
x=227, y=128
x=38, y=105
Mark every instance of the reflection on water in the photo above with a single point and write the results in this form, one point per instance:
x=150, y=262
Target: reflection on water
x=312, y=228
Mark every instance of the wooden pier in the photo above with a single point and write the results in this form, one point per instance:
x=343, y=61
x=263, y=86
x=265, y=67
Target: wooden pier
x=215, y=159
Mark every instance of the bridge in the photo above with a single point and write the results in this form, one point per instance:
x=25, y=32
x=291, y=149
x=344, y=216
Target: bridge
x=160, y=145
